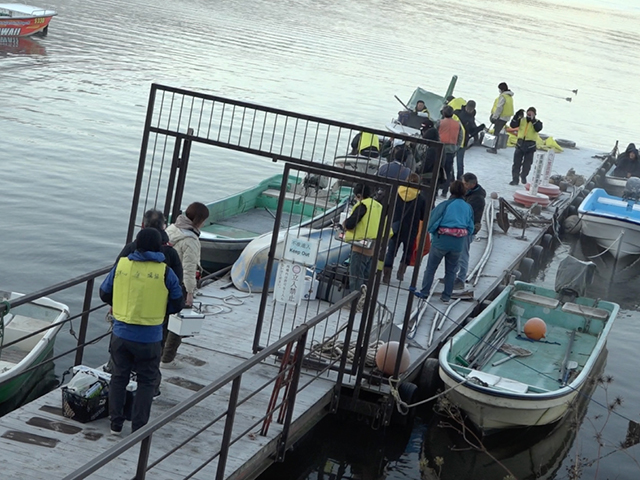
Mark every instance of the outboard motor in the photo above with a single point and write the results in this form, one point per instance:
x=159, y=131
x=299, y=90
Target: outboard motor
x=632, y=189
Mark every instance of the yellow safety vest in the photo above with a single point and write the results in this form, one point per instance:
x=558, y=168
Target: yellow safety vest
x=526, y=130
x=507, y=110
x=367, y=227
x=139, y=293
x=457, y=103
x=464, y=131
x=368, y=140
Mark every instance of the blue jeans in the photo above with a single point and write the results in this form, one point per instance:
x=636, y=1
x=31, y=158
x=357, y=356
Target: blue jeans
x=460, y=162
x=359, y=268
x=450, y=263
x=144, y=359
x=463, y=261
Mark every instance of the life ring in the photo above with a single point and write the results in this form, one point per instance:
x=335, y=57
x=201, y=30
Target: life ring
x=551, y=191
x=525, y=198
x=563, y=142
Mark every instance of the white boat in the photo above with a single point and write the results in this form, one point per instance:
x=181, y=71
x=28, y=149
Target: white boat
x=17, y=358
x=538, y=386
x=613, y=222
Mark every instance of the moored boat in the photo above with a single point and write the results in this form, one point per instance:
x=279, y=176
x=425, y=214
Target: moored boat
x=18, y=324
x=236, y=220
x=539, y=380
x=613, y=222
x=19, y=20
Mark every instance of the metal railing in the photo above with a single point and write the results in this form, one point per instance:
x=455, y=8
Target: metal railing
x=297, y=339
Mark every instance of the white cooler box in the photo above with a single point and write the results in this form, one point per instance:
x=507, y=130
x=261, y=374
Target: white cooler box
x=186, y=323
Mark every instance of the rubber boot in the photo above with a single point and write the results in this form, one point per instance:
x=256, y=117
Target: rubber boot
x=386, y=275
x=401, y=269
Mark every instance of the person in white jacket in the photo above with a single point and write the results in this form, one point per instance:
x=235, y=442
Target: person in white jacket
x=184, y=236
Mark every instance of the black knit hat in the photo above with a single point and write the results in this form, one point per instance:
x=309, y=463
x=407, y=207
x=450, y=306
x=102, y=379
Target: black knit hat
x=149, y=240
x=532, y=109
x=503, y=87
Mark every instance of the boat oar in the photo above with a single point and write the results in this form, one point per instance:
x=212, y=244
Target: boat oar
x=572, y=365
x=402, y=103
x=513, y=352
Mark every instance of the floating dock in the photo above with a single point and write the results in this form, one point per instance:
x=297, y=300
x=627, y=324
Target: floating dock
x=250, y=389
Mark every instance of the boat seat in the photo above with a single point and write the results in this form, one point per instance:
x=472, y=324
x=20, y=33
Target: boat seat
x=618, y=203
x=591, y=312
x=499, y=382
x=535, y=299
x=22, y=326
x=296, y=197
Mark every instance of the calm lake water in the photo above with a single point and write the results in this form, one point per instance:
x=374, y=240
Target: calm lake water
x=73, y=107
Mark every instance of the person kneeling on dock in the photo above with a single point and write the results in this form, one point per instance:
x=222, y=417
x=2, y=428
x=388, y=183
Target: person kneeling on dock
x=361, y=230
x=528, y=128
x=449, y=224
x=141, y=289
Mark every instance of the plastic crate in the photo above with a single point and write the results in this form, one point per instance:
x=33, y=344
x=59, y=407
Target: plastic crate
x=84, y=409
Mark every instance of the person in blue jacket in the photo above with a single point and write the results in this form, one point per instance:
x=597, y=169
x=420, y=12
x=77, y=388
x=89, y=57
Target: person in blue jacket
x=142, y=290
x=449, y=224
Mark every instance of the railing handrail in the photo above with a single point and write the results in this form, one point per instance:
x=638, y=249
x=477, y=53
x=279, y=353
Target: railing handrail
x=146, y=431
x=16, y=302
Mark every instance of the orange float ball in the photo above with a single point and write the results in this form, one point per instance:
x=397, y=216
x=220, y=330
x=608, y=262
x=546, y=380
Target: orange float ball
x=386, y=358
x=535, y=328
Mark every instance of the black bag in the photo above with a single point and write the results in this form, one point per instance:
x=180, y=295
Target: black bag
x=333, y=283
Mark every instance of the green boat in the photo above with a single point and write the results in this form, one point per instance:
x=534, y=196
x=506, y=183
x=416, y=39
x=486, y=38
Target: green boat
x=27, y=351
x=236, y=220
x=503, y=379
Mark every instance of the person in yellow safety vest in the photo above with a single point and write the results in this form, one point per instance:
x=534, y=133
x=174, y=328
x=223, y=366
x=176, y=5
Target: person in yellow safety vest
x=366, y=144
x=528, y=128
x=501, y=112
x=421, y=109
x=142, y=290
x=361, y=230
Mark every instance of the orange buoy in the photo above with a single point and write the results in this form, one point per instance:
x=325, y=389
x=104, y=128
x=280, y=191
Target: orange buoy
x=386, y=358
x=525, y=198
x=535, y=328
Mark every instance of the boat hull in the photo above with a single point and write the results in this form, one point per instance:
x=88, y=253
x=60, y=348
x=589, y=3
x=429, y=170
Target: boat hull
x=612, y=222
x=491, y=413
x=23, y=27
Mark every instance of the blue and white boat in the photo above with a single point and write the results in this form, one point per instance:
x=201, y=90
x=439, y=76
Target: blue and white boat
x=248, y=272
x=613, y=222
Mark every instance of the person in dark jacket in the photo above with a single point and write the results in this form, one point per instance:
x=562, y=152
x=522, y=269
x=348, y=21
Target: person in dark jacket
x=466, y=115
x=155, y=219
x=410, y=209
x=475, y=196
x=450, y=222
x=426, y=156
x=395, y=168
x=628, y=163
x=142, y=289
x=528, y=127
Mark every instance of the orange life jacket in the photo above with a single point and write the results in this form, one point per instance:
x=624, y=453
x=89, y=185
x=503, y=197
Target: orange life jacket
x=449, y=130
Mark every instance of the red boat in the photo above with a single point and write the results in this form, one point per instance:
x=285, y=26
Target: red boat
x=19, y=20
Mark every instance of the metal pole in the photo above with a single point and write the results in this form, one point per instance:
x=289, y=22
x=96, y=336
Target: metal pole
x=141, y=163
x=343, y=359
x=182, y=176
x=143, y=458
x=175, y=162
x=84, y=321
x=291, y=400
x=270, y=259
x=228, y=428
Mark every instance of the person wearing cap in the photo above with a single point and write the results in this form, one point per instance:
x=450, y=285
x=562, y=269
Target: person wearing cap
x=501, y=112
x=142, y=289
x=528, y=127
x=426, y=155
